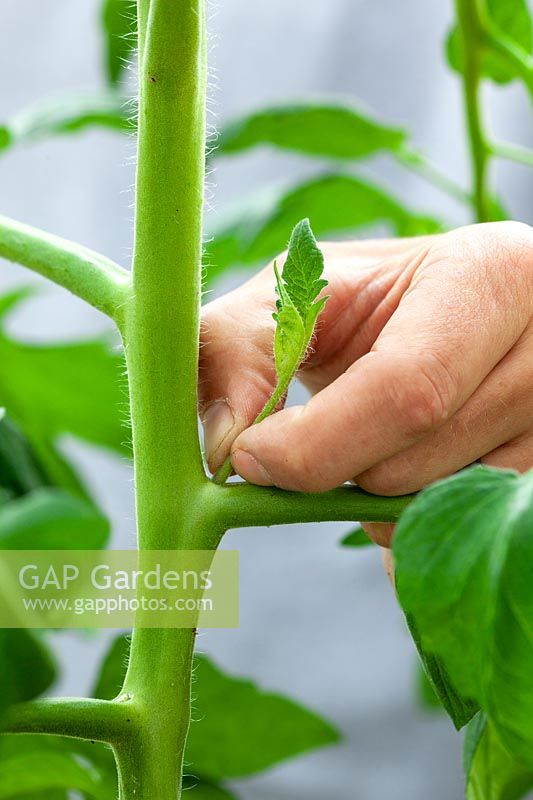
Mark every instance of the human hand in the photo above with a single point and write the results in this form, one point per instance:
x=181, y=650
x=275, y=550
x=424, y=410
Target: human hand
x=422, y=364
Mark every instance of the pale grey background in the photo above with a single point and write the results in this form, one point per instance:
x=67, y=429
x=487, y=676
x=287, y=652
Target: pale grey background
x=318, y=623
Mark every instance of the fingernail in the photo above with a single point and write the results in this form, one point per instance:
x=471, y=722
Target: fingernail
x=250, y=469
x=218, y=423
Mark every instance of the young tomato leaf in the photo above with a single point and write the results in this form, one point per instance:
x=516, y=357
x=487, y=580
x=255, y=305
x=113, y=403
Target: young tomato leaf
x=491, y=772
x=356, y=538
x=463, y=553
x=329, y=130
x=297, y=307
x=120, y=37
x=297, y=310
x=49, y=519
x=513, y=19
x=243, y=730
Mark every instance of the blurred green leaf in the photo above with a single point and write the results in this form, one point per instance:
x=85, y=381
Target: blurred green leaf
x=112, y=669
x=47, y=772
x=356, y=538
x=243, y=730
x=240, y=729
x=54, y=794
x=491, y=772
x=26, y=667
x=512, y=17
x=119, y=18
x=36, y=750
x=331, y=130
x=260, y=227
x=463, y=554
x=68, y=114
x=20, y=471
x=107, y=686
x=57, y=389
x=95, y=778
x=43, y=519
x=48, y=519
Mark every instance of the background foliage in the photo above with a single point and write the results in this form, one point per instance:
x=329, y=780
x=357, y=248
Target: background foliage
x=79, y=389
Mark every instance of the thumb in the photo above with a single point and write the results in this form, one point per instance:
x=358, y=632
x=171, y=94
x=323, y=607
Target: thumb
x=236, y=375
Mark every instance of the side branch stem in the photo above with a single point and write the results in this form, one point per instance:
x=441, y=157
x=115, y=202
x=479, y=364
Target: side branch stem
x=242, y=505
x=79, y=718
x=513, y=152
x=89, y=275
x=417, y=162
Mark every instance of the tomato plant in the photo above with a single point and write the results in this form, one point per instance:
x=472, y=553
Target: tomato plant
x=463, y=547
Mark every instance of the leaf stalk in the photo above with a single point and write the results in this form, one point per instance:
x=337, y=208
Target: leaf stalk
x=89, y=275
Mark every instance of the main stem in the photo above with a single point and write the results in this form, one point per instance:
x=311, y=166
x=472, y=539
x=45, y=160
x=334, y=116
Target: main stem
x=161, y=344
x=468, y=18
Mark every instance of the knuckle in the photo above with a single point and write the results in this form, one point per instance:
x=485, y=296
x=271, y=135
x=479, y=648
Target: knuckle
x=383, y=480
x=506, y=248
x=513, y=247
x=516, y=233
x=421, y=395
x=514, y=242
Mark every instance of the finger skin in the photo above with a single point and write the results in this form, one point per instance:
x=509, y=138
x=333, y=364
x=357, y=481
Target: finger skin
x=236, y=375
x=517, y=455
x=499, y=411
x=431, y=356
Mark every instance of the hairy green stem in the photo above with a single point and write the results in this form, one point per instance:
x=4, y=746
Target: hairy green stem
x=161, y=345
x=162, y=325
x=159, y=680
x=467, y=14
x=91, y=276
x=80, y=718
x=242, y=505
